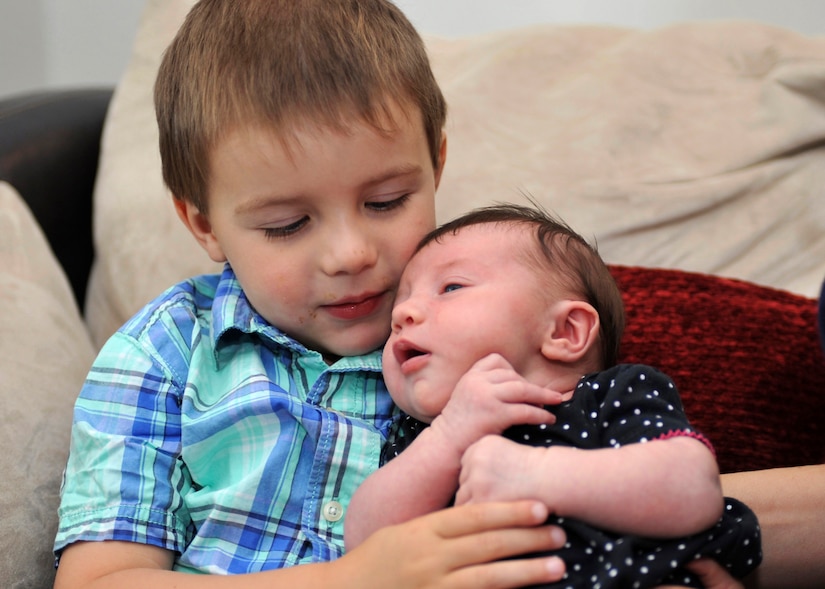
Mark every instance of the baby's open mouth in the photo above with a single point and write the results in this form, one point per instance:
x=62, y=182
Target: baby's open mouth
x=405, y=351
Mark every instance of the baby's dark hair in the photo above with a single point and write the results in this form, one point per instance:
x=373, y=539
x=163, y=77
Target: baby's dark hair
x=575, y=264
x=278, y=64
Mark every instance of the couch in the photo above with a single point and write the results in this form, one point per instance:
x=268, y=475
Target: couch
x=693, y=155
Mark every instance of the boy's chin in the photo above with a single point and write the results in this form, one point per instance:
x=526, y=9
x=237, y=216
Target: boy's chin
x=354, y=346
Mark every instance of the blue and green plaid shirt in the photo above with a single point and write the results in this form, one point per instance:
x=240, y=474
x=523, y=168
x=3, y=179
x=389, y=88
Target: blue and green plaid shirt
x=204, y=430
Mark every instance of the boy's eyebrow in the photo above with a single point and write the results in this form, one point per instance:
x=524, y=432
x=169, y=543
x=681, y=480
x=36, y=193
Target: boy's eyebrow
x=257, y=203
x=401, y=170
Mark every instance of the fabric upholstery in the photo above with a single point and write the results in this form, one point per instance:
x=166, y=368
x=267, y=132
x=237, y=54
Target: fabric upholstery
x=745, y=358
x=45, y=352
x=698, y=146
x=49, y=144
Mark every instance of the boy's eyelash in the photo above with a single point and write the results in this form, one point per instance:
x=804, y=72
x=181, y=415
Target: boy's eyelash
x=285, y=231
x=273, y=233
x=382, y=206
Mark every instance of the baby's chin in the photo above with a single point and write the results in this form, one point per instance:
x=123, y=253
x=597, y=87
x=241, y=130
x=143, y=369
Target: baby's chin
x=424, y=401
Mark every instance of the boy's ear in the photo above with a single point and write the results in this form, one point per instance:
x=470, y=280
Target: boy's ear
x=572, y=331
x=199, y=226
x=442, y=158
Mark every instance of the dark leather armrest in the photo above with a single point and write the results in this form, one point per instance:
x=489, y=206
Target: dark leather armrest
x=49, y=146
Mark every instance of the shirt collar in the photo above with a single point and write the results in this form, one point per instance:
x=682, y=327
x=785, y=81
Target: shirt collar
x=232, y=314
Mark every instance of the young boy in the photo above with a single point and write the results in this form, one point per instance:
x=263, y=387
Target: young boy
x=505, y=296
x=225, y=427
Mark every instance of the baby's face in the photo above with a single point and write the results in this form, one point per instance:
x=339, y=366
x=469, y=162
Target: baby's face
x=460, y=299
x=318, y=230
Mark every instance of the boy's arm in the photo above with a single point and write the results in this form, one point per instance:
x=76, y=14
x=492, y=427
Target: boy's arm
x=662, y=488
x=453, y=548
x=488, y=399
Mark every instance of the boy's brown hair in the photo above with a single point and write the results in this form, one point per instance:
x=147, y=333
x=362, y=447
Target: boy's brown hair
x=571, y=259
x=279, y=63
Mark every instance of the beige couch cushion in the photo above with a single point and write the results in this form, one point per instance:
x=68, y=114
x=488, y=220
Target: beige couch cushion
x=697, y=146
x=141, y=245
x=45, y=353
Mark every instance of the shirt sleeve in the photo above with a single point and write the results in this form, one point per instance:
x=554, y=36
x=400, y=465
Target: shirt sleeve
x=124, y=479
x=640, y=403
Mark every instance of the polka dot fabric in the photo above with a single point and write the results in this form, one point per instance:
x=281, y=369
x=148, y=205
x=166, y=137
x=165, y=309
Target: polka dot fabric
x=630, y=404
x=747, y=360
x=626, y=404
x=599, y=560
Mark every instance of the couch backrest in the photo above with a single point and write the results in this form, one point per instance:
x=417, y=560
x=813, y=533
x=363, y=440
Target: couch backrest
x=746, y=359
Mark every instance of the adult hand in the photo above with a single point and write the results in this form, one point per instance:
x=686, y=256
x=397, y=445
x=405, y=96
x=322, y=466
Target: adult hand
x=711, y=574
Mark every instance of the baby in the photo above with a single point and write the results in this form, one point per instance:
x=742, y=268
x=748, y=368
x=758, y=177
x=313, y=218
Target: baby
x=507, y=298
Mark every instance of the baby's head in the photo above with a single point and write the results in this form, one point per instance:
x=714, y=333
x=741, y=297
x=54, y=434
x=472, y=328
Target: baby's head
x=284, y=64
x=504, y=279
x=302, y=140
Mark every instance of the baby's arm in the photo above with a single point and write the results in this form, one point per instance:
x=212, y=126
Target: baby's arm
x=430, y=551
x=662, y=488
x=643, y=472
x=487, y=400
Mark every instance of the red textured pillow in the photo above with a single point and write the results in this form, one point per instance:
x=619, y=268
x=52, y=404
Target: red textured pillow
x=746, y=358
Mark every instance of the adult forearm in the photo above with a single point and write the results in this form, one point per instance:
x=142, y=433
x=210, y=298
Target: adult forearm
x=789, y=504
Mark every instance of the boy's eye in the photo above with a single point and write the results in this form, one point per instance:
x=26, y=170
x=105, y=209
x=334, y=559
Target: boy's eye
x=382, y=206
x=285, y=230
x=452, y=286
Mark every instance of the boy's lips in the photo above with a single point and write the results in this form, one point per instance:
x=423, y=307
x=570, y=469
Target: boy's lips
x=410, y=358
x=356, y=307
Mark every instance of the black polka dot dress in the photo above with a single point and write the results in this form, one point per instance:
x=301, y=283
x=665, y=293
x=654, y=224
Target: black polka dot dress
x=627, y=404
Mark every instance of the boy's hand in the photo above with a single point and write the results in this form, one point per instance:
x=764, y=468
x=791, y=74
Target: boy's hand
x=488, y=399
x=498, y=469
x=454, y=548
x=460, y=547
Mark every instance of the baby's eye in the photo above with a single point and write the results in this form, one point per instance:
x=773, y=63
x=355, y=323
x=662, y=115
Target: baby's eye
x=452, y=286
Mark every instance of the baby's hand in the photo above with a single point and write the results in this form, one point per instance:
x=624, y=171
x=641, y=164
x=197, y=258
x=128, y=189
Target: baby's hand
x=498, y=469
x=488, y=399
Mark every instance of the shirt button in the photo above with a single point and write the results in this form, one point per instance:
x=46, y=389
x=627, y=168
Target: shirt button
x=333, y=511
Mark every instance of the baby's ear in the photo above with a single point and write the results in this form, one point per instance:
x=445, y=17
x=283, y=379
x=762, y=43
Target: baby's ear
x=572, y=331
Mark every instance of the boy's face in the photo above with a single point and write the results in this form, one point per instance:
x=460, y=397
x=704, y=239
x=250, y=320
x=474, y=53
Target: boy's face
x=460, y=299
x=318, y=229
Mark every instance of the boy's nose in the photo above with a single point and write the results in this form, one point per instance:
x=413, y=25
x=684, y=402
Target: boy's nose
x=349, y=252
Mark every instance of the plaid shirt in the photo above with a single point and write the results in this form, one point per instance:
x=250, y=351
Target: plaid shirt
x=204, y=430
